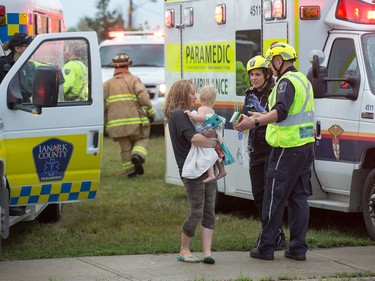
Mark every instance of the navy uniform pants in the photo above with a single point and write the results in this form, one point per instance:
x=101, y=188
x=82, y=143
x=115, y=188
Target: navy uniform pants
x=287, y=183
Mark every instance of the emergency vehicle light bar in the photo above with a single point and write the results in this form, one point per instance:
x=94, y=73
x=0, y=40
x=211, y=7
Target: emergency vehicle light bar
x=123, y=34
x=309, y=12
x=220, y=14
x=274, y=9
x=188, y=16
x=2, y=15
x=356, y=11
x=169, y=18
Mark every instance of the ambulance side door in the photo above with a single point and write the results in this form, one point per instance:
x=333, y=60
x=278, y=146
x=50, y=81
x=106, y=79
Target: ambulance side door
x=53, y=156
x=337, y=116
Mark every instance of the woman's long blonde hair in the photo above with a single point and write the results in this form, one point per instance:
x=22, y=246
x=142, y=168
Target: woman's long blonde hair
x=178, y=96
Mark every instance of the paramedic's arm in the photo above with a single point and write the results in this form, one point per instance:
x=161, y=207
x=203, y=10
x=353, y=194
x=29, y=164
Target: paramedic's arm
x=278, y=113
x=263, y=119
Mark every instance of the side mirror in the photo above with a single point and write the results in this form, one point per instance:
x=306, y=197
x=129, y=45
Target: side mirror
x=318, y=83
x=317, y=74
x=46, y=86
x=45, y=90
x=316, y=58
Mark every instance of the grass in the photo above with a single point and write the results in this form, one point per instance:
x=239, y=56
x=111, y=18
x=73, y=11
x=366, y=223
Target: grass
x=144, y=215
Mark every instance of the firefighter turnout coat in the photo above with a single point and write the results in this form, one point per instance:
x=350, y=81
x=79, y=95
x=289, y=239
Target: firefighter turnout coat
x=127, y=105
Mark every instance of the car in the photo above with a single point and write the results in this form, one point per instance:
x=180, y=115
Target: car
x=146, y=50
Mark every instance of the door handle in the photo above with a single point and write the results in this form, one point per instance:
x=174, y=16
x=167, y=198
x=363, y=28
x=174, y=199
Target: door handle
x=95, y=139
x=180, y=26
x=318, y=130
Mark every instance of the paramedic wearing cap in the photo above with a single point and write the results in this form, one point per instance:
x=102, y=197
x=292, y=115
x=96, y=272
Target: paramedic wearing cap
x=290, y=132
x=75, y=74
x=128, y=113
x=17, y=44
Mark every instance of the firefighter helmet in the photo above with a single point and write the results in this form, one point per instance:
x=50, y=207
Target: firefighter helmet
x=257, y=62
x=121, y=59
x=284, y=50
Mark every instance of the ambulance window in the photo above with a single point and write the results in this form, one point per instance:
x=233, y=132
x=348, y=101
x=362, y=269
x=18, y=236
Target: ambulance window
x=70, y=57
x=41, y=24
x=368, y=43
x=342, y=63
x=248, y=44
x=75, y=71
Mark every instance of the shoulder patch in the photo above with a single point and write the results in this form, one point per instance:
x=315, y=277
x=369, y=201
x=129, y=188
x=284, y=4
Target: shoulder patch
x=282, y=87
x=66, y=71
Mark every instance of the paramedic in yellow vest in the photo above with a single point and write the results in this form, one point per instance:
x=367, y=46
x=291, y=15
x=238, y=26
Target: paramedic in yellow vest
x=75, y=74
x=290, y=132
x=128, y=113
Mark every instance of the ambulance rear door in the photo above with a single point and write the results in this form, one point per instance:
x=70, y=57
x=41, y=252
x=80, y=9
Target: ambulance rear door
x=210, y=42
x=52, y=154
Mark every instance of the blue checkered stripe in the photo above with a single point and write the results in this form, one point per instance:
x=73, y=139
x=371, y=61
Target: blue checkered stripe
x=16, y=22
x=48, y=193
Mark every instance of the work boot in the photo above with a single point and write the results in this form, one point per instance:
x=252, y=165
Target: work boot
x=293, y=256
x=17, y=211
x=137, y=160
x=254, y=253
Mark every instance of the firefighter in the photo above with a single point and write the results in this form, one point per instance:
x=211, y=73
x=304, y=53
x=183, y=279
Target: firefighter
x=128, y=113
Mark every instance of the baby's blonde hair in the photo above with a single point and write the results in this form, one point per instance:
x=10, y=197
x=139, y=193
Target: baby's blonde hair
x=208, y=94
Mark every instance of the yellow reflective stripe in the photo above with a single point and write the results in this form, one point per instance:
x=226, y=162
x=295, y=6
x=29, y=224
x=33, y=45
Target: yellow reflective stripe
x=151, y=111
x=121, y=97
x=139, y=150
x=128, y=165
x=126, y=121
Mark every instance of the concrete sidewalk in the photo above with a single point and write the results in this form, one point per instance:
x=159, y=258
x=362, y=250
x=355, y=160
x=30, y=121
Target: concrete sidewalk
x=165, y=267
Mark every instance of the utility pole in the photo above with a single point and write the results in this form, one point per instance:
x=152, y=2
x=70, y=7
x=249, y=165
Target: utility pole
x=130, y=15
x=131, y=10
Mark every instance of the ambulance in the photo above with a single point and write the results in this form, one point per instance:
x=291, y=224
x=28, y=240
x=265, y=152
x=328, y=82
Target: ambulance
x=210, y=41
x=146, y=50
x=50, y=148
x=30, y=17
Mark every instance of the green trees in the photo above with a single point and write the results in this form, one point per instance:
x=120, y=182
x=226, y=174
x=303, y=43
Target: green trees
x=104, y=21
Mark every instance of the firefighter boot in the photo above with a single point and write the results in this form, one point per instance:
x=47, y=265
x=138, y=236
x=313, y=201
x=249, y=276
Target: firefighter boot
x=137, y=160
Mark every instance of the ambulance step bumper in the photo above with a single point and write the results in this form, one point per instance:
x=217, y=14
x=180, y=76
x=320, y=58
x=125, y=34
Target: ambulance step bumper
x=330, y=205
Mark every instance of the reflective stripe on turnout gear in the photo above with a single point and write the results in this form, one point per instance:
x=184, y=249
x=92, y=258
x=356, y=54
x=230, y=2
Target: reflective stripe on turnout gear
x=121, y=97
x=127, y=121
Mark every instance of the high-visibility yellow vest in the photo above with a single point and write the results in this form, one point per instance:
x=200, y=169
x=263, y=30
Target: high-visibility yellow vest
x=76, y=80
x=298, y=128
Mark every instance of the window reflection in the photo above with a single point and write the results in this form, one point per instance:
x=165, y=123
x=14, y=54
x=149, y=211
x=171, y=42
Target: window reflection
x=71, y=59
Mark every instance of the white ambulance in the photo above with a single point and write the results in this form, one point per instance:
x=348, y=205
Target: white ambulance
x=210, y=41
x=146, y=50
x=30, y=17
x=50, y=148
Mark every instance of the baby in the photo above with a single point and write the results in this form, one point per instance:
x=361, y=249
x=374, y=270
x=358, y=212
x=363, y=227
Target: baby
x=207, y=98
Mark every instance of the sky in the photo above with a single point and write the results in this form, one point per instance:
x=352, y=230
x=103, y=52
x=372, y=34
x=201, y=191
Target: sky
x=144, y=10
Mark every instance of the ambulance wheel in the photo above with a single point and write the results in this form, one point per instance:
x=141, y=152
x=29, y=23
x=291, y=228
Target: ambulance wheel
x=368, y=199
x=52, y=213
